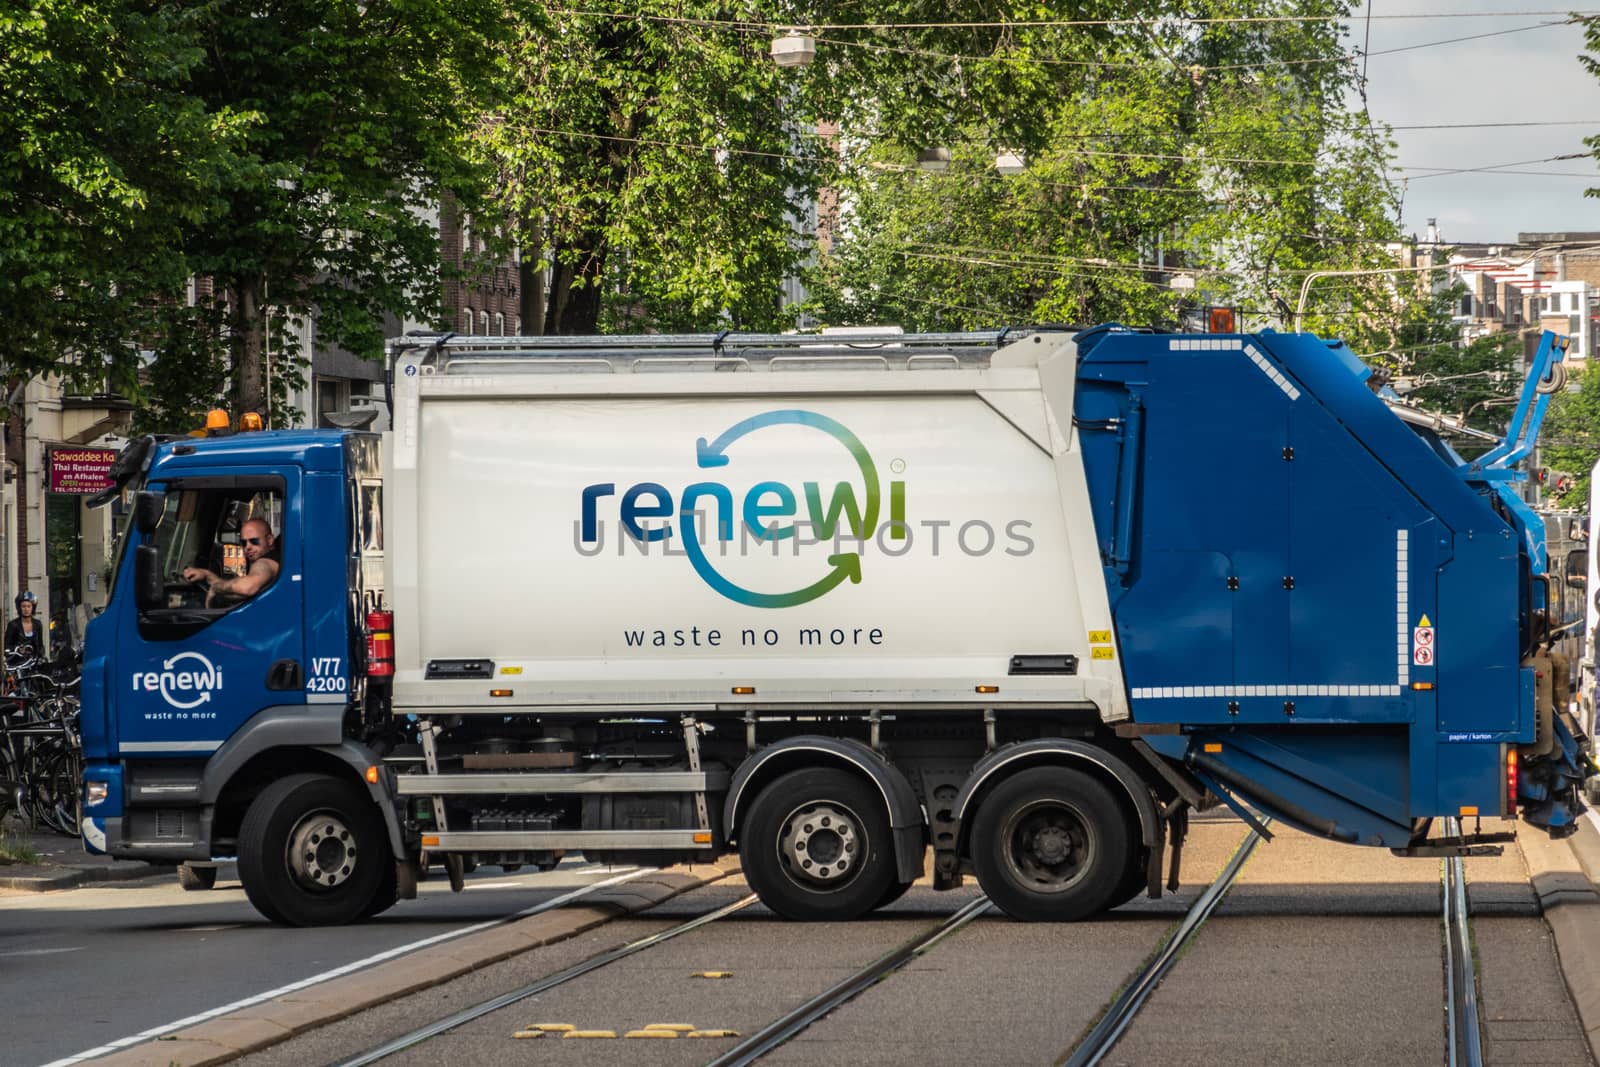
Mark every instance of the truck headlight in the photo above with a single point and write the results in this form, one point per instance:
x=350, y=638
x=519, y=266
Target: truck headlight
x=95, y=793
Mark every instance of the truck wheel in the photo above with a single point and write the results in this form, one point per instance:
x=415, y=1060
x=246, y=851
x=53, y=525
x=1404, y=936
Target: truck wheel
x=312, y=851
x=387, y=894
x=194, y=879
x=1134, y=879
x=1051, y=845
x=815, y=846
x=895, y=892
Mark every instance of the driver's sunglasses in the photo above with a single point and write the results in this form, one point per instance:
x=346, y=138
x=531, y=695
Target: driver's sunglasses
x=252, y=540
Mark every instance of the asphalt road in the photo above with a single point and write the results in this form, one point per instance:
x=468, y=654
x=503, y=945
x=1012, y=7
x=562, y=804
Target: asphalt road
x=90, y=965
x=1323, y=954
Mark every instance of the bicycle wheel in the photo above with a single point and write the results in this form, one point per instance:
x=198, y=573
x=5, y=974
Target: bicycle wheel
x=52, y=784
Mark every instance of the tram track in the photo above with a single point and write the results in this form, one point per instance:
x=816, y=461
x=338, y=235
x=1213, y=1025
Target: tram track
x=1120, y=1014
x=477, y=1011
x=1463, y=1033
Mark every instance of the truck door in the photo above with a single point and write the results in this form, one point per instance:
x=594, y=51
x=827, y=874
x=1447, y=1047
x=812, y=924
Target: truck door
x=201, y=664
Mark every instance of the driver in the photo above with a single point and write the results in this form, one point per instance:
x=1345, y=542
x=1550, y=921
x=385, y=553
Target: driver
x=259, y=568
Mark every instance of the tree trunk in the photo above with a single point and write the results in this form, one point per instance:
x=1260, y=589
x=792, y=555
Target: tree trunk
x=575, y=293
x=249, y=336
x=531, y=277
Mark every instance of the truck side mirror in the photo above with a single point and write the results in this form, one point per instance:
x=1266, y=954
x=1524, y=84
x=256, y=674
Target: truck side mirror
x=147, y=509
x=148, y=590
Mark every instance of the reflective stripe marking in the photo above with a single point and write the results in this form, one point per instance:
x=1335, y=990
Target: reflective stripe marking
x=1204, y=344
x=1184, y=692
x=326, y=698
x=1402, y=549
x=1271, y=372
x=169, y=746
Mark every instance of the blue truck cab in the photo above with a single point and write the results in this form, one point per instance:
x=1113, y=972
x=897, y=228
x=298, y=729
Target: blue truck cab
x=191, y=703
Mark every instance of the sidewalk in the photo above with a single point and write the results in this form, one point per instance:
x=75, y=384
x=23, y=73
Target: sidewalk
x=61, y=862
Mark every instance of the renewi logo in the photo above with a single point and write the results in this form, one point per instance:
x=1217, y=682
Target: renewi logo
x=183, y=689
x=763, y=511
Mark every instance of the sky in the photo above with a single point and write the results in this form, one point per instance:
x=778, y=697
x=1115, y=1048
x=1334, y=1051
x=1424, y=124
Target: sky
x=1529, y=76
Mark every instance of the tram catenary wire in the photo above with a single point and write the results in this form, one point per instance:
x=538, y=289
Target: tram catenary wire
x=577, y=970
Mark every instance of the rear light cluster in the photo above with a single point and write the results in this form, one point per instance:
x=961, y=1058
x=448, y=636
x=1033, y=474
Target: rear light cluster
x=1511, y=779
x=380, y=644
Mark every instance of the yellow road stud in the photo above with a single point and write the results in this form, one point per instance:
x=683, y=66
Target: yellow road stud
x=551, y=1028
x=681, y=1028
x=713, y=974
x=589, y=1033
x=522, y=1035
x=651, y=1033
x=712, y=1033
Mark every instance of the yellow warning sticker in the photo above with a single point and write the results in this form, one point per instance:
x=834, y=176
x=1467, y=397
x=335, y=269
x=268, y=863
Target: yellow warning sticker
x=1424, y=622
x=1099, y=637
x=510, y=670
x=1102, y=652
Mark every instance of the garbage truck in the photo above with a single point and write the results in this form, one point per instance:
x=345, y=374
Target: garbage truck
x=1008, y=604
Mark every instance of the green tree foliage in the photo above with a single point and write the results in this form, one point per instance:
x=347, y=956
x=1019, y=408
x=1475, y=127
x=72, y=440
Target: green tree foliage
x=359, y=116
x=104, y=156
x=1169, y=142
x=1570, y=438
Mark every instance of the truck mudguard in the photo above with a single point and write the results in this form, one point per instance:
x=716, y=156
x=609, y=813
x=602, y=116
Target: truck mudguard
x=906, y=818
x=315, y=726
x=1048, y=750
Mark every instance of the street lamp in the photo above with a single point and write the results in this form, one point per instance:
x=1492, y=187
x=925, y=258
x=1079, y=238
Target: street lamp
x=794, y=49
x=1008, y=161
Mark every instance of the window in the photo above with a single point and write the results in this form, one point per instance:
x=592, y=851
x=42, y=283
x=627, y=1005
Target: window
x=499, y=324
x=466, y=320
x=204, y=527
x=483, y=322
x=333, y=394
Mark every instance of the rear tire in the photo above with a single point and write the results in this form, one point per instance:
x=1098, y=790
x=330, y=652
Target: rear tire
x=1134, y=880
x=816, y=846
x=312, y=851
x=196, y=879
x=1051, y=844
x=896, y=891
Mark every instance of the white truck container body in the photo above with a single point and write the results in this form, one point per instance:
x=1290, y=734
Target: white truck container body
x=862, y=537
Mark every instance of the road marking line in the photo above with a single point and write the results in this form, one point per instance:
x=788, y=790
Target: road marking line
x=339, y=972
x=41, y=951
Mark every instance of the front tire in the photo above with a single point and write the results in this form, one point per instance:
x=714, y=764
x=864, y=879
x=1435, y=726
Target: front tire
x=1051, y=845
x=816, y=846
x=312, y=851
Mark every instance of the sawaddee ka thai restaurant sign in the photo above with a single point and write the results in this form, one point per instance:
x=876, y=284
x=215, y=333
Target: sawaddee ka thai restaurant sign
x=80, y=470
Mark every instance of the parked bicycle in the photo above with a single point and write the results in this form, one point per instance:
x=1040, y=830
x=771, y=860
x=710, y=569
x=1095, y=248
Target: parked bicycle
x=41, y=761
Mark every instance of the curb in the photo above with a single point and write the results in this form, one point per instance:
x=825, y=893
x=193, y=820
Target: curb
x=259, y=1026
x=72, y=877
x=1569, y=901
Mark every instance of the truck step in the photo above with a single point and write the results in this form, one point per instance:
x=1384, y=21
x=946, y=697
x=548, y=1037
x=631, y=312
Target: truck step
x=567, y=840
x=538, y=783
x=1467, y=845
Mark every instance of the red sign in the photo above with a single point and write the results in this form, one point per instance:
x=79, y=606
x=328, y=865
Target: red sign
x=81, y=470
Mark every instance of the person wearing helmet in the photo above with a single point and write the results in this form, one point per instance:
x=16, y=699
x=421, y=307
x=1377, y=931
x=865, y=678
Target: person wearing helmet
x=25, y=631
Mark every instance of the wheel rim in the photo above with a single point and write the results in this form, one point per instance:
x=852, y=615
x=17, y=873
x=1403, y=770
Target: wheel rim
x=321, y=853
x=1048, y=846
x=822, y=845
